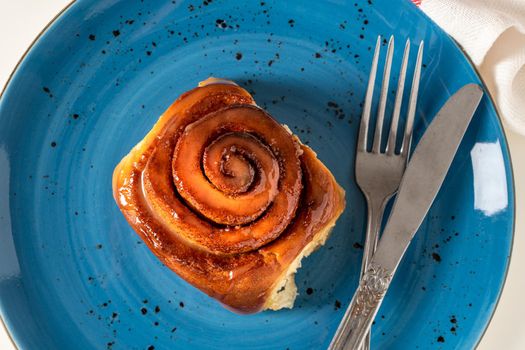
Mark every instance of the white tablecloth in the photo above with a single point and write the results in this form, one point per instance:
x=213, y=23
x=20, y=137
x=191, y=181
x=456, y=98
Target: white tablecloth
x=22, y=20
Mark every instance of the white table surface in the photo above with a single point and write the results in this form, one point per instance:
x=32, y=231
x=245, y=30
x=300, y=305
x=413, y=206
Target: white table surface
x=22, y=20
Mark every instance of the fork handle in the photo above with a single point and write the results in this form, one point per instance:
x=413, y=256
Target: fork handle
x=373, y=226
x=374, y=217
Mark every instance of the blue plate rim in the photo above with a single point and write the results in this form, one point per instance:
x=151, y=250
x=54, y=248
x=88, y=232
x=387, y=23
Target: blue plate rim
x=465, y=55
x=512, y=179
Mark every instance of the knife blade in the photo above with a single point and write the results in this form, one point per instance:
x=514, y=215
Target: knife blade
x=421, y=182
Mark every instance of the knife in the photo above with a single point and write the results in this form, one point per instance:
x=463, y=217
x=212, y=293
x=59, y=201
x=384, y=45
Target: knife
x=421, y=182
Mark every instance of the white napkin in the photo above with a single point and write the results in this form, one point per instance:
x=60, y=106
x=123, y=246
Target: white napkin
x=492, y=32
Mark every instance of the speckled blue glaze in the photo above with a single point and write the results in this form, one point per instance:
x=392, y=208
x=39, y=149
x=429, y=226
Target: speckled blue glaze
x=74, y=275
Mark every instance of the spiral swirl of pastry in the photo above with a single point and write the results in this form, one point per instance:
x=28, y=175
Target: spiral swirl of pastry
x=239, y=170
x=229, y=181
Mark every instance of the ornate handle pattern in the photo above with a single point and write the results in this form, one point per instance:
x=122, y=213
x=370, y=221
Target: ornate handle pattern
x=363, y=308
x=372, y=289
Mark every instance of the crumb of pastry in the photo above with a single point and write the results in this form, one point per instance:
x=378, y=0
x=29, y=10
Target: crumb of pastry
x=287, y=128
x=285, y=291
x=213, y=80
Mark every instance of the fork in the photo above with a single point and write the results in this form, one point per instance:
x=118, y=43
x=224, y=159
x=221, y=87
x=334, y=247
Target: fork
x=379, y=172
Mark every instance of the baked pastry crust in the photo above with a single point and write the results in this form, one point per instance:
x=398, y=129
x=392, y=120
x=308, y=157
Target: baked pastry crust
x=228, y=198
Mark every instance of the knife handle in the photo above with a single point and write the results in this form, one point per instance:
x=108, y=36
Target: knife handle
x=363, y=308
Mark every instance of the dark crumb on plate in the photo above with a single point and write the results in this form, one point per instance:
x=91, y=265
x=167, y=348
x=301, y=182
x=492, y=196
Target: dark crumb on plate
x=309, y=291
x=440, y=339
x=53, y=144
x=144, y=311
x=181, y=304
x=436, y=257
x=47, y=91
x=92, y=37
x=358, y=245
x=116, y=33
x=337, y=305
x=221, y=23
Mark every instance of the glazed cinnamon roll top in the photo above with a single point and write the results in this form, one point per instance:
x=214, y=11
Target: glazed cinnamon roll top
x=218, y=187
x=240, y=170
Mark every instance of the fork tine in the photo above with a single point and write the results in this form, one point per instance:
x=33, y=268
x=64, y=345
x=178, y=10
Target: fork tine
x=384, y=94
x=407, y=139
x=392, y=137
x=365, y=117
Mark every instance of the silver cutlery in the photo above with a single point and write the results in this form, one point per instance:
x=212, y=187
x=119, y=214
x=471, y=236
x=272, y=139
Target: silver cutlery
x=378, y=173
x=419, y=186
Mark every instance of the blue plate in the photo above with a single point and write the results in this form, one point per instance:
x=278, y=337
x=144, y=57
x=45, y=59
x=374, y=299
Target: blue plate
x=73, y=274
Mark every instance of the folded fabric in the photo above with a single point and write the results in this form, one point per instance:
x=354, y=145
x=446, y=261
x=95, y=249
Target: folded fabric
x=492, y=32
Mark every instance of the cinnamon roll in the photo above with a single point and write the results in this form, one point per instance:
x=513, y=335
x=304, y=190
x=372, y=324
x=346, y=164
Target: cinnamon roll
x=227, y=197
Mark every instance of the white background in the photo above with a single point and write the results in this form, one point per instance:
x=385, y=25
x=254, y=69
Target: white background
x=22, y=20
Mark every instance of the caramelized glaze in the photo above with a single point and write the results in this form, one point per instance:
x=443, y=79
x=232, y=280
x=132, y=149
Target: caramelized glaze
x=224, y=195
